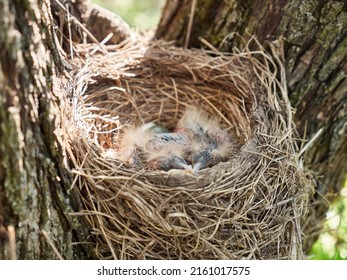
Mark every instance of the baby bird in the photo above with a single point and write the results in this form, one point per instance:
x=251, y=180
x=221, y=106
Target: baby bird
x=147, y=146
x=196, y=125
x=209, y=143
x=211, y=155
x=197, y=143
x=166, y=155
x=167, y=151
x=162, y=139
x=132, y=143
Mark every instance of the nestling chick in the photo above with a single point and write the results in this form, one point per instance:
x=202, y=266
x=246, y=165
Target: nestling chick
x=132, y=144
x=167, y=157
x=162, y=151
x=160, y=140
x=197, y=125
x=209, y=143
x=211, y=155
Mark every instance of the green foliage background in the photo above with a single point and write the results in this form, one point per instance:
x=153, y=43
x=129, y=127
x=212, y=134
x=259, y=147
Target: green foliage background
x=332, y=242
x=142, y=14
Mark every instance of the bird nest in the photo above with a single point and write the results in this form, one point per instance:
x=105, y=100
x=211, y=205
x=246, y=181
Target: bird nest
x=246, y=206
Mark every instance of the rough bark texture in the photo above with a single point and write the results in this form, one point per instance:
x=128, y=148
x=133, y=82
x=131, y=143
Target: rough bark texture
x=33, y=182
x=316, y=64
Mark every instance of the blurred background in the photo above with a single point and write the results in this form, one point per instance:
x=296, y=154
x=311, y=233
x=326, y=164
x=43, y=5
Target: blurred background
x=141, y=15
x=332, y=242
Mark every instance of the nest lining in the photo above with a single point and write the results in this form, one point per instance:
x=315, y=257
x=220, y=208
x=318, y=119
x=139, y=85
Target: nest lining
x=246, y=208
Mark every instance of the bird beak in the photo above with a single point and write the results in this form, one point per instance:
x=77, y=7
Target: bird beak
x=186, y=167
x=196, y=167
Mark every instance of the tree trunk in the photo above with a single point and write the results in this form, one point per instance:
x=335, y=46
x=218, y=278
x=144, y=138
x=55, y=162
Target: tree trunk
x=34, y=203
x=316, y=64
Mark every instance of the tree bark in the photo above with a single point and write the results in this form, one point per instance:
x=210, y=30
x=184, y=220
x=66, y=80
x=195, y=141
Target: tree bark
x=33, y=181
x=315, y=34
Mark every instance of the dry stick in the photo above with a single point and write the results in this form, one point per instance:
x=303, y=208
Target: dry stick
x=103, y=42
x=176, y=96
x=190, y=23
x=77, y=175
x=69, y=28
x=309, y=143
x=209, y=45
x=12, y=241
x=277, y=51
x=297, y=240
x=50, y=242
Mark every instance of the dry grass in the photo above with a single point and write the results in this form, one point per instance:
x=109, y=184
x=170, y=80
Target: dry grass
x=246, y=208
